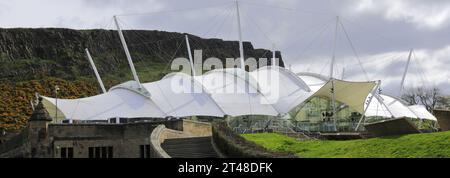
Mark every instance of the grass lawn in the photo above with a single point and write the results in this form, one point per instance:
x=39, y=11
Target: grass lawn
x=430, y=145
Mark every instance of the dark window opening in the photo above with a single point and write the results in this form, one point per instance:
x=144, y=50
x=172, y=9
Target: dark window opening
x=101, y=152
x=110, y=152
x=144, y=151
x=141, y=148
x=63, y=153
x=97, y=152
x=104, y=152
x=69, y=152
x=66, y=152
x=91, y=152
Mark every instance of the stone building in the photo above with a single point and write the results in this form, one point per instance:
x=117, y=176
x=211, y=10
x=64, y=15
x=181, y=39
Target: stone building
x=44, y=139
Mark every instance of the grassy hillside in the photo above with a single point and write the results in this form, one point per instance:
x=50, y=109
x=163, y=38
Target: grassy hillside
x=431, y=145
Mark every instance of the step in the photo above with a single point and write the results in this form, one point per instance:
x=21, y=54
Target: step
x=197, y=147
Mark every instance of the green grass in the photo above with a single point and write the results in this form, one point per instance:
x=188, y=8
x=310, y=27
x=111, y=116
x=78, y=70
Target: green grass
x=430, y=145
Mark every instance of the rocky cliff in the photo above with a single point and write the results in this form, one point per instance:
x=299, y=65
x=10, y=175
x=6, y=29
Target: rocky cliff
x=36, y=53
x=35, y=60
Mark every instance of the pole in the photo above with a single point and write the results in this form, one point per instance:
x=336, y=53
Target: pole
x=95, y=70
x=56, y=103
x=273, y=55
x=404, y=73
x=333, y=97
x=333, y=104
x=334, y=48
x=372, y=94
x=343, y=73
x=127, y=52
x=190, y=55
x=378, y=97
x=241, y=45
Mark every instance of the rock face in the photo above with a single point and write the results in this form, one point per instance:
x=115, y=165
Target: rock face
x=36, y=53
x=36, y=60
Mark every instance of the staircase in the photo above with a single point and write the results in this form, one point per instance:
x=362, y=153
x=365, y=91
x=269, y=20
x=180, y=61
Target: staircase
x=196, y=147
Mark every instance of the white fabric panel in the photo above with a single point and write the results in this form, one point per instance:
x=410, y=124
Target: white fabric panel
x=353, y=94
x=115, y=103
x=421, y=112
x=396, y=106
x=377, y=108
x=236, y=92
x=281, y=87
x=179, y=95
x=269, y=90
x=313, y=82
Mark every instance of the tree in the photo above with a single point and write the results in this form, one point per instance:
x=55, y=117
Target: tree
x=430, y=98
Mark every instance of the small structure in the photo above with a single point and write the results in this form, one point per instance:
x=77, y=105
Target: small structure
x=44, y=139
x=443, y=118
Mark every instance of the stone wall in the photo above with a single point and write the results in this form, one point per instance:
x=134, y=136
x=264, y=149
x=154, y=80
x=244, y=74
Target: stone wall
x=156, y=138
x=125, y=139
x=190, y=129
x=199, y=129
x=14, y=142
x=41, y=139
x=443, y=117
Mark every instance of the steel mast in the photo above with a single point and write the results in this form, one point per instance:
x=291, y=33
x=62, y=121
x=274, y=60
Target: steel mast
x=405, y=72
x=241, y=45
x=127, y=52
x=95, y=70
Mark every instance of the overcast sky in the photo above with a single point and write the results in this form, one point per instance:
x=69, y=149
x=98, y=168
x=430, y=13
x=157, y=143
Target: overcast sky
x=381, y=31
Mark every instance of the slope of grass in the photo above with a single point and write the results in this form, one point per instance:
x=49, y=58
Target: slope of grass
x=431, y=145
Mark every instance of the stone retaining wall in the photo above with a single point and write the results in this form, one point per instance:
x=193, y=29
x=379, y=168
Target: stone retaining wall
x=443, y=117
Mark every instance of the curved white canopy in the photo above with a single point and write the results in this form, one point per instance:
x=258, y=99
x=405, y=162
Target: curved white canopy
x=281, y=87
x=269, y=91
x=314, y=81
x=421, y=112
x=115, y=103
x=179, y=95
x=397, y=107
x=236, y=92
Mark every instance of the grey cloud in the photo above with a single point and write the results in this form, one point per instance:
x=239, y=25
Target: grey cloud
x=302, y=29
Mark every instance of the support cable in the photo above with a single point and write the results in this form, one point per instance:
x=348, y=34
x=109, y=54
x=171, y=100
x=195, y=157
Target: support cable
x=354, y=50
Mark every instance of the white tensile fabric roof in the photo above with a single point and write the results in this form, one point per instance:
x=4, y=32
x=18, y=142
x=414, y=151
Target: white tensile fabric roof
x=282, y=88
x=217, y=93
x=397, y=107
x=236, y=92
x=421, y=112
x=270, y=90
x=352, y=94
x=115, y=103
x=169, y=94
